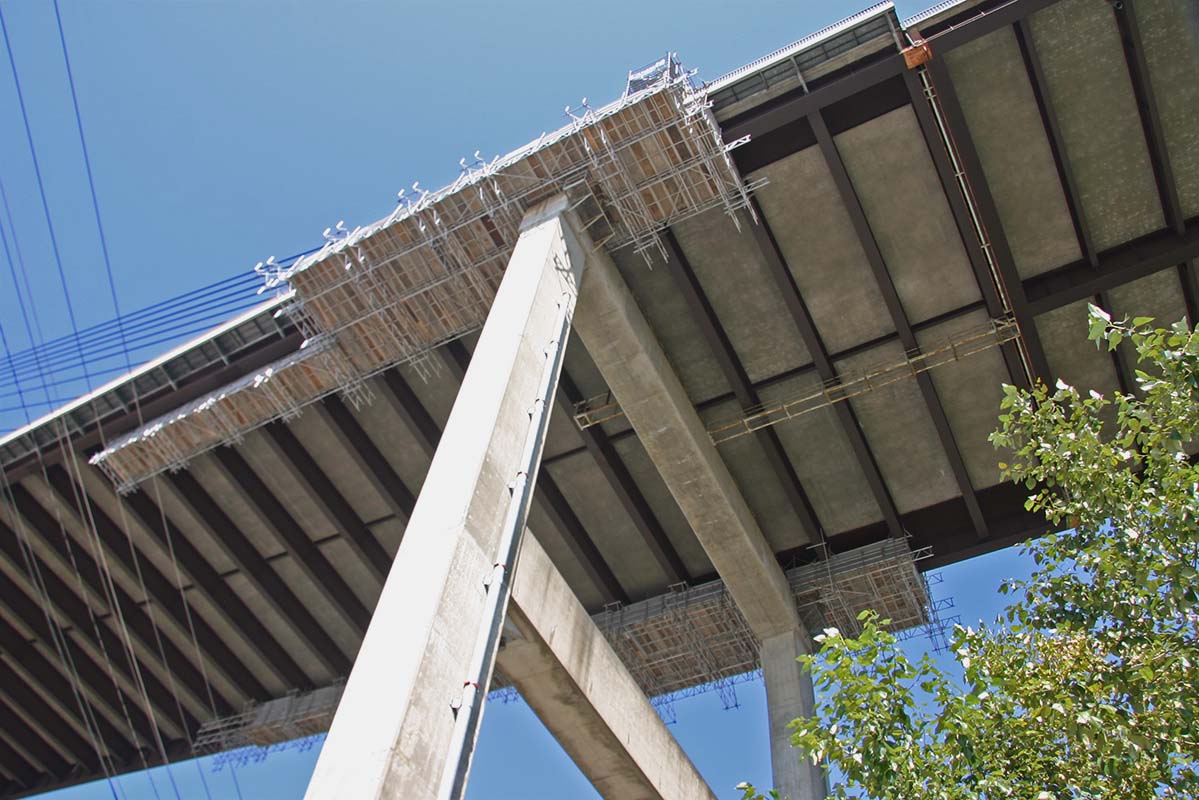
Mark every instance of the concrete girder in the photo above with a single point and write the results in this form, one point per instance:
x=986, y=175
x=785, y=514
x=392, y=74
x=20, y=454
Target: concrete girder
x=374, y=465
x=291, y=536
x=30, y=666
x=899, y=316
x=98, y=686
x=1155, y=140
x=631, y=498
x=31, y=744
x=162, y=704
x=947, y=176
x=955, y=121
x=734, y=373
x=162, y=529
x=1117, y=267
x=155, y=647
x=801, y=316
x=333, y=504
x=260, y=574
x=1057, y=145
x=61, y=727
x=161, y=590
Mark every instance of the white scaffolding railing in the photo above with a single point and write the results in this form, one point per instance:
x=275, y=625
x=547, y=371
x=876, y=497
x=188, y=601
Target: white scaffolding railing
x=389, y=293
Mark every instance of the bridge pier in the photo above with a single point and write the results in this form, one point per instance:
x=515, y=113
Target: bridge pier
x=409, y=715
x=577, y=685
x=394, y=727
x=789, y=695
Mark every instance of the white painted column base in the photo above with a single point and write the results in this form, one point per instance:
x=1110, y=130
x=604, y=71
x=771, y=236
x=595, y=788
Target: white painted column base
x=392, y=731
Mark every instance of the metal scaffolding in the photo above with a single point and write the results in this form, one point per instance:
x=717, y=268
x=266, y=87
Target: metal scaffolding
x=262, y=725
x=685, y=642
x=390, y=292
x=695, y=637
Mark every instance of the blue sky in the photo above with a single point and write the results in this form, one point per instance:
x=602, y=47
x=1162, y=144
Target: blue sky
x=224, y=131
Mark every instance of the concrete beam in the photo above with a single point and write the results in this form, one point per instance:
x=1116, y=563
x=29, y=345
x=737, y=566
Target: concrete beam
x=580, y=689
x=734, y=373
x=552, y=501
x=632, y=362
x=152, y=647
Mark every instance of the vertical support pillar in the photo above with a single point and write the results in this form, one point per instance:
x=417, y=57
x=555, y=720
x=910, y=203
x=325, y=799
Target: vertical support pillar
x=789, y=695
x=393, y=729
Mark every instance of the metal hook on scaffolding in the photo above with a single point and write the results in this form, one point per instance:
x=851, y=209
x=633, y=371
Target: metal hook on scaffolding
x=336, y=233
x=271, y=273
x=420, y=201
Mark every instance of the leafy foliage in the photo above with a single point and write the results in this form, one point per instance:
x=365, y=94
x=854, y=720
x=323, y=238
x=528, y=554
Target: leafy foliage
x=1087, y=686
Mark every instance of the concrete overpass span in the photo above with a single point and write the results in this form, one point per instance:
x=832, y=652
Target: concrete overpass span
x=799, y=289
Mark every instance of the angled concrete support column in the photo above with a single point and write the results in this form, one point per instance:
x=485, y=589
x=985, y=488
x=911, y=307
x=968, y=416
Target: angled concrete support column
x=636, y=369
x=574, y=681
x=393, y=729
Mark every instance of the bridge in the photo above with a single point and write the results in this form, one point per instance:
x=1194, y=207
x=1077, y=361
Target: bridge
x=792, y=296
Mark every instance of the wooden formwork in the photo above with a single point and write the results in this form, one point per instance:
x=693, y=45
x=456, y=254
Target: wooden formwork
x=697, y=636
x=279, y=392
x=391, y=292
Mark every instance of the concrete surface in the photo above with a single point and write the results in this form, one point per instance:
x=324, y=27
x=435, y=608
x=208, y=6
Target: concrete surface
x=1170, y=33
x=1089, y=86
x=789, y=695
x=573, y=680
x=894, y=177
x=618, y=337
x=1000, y=108
x=817, y=240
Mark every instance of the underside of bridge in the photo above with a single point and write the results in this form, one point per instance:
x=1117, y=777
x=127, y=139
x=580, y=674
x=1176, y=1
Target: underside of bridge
x=915, y=212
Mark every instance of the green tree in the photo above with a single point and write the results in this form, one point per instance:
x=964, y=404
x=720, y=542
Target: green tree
x=1086, y=686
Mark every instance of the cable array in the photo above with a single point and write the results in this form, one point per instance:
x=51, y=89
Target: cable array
x=120, y=344
x=62, y=361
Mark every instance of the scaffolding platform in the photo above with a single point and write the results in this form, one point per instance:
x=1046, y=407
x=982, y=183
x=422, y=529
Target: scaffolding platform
x=391, y=292
x=696, y=636
x=275, y=722
x=688, y=641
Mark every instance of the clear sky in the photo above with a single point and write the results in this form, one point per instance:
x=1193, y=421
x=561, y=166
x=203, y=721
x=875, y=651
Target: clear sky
x=224, y=131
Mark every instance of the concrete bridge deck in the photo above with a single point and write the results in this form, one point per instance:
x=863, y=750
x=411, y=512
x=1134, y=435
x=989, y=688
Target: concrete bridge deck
x=1075, y=125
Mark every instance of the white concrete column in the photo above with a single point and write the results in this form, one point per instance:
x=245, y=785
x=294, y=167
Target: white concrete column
x=580, y=689
x=789, y=695
x=391, y=733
